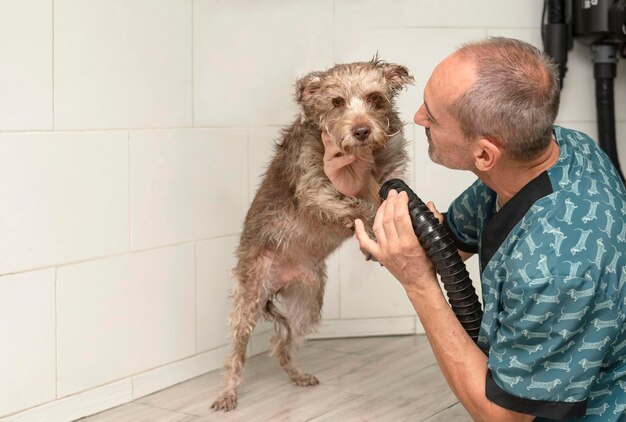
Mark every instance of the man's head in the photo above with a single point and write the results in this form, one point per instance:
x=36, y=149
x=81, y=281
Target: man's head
x=501, y=94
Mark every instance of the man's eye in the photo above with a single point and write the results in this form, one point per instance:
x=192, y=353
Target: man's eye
x=338, y=102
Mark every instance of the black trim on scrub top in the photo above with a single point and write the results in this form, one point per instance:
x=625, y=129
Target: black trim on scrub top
x=542, y=408
x=501, y=224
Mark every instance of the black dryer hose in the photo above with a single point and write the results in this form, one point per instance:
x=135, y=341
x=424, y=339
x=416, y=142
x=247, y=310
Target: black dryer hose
x=440, y=248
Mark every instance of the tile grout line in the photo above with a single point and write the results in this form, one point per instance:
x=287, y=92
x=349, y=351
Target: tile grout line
x=216, y=127
x=53, y=91
x=334, y=30
x=440, y=411
x=56, y=335
x=116, y=255
x=195, y=294
x=248, y=164
x=161, y=128
x=193, y=112
x=130, y=231
x=165, y=408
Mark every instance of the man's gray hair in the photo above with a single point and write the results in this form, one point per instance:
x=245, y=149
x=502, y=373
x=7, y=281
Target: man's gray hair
x=515, y=98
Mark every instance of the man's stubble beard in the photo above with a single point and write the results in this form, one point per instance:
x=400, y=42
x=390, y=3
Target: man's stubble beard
x=453, y=162
x=431, y=149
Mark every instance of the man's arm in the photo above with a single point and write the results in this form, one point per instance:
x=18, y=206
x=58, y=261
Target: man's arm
x=462, y=362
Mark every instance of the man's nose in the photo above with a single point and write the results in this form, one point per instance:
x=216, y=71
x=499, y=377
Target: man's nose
x=421, y=118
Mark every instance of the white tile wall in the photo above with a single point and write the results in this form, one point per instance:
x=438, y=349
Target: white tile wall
x=621, y=145
x=147, y=125
x=121, y=316
x=438, y=14
x=122, y=63
x=469, y=13
x=26, y=71
x=332, y=304
x=247, y=56
x=27, y=327
x=186, y=185
x=68, y=196
x=261, y=141
x=411, y=47
x=364, y=283
x=214, y=260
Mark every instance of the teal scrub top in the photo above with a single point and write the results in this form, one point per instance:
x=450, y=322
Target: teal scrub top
x=553, y=270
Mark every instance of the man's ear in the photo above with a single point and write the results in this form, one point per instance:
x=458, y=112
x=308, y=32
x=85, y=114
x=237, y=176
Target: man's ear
x=397, y=76
x=307, y=86
x=487, y=153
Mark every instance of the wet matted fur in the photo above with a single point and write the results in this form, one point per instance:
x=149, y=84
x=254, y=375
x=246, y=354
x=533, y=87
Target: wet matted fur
x=298, y=218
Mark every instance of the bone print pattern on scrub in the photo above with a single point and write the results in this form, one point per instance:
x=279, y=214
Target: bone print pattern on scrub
x=553, y=291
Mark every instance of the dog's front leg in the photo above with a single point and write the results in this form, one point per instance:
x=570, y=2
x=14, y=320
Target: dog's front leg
x=368, y=223
x=331, y=207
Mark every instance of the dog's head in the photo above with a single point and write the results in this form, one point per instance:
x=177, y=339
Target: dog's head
x=353, y=101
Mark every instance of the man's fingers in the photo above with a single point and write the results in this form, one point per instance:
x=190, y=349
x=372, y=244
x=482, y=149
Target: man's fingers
x=325, y=139
x=437, y=214
x=403, y=220
x=389, y=219
x=330, y=149
x=335, y=163
x=367, y=244
x=377, y=227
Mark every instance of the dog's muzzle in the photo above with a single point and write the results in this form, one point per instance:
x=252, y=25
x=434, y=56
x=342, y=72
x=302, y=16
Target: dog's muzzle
x=361, y=133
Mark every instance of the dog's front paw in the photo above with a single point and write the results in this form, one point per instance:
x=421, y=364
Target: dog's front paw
x=225, y=402
x=304, y=380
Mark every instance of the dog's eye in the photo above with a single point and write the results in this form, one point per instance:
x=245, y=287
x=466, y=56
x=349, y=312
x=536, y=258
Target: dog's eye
x=338, y=102
x=376, y=100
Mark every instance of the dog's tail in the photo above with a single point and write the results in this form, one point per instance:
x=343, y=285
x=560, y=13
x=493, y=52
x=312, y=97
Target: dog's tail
x=281, y=323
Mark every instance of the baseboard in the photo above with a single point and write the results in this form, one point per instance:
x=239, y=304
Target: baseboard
x=78, y=405
x=368, y=327
x=126, y=390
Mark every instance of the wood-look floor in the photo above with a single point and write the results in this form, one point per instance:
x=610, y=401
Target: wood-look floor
x=361, y=379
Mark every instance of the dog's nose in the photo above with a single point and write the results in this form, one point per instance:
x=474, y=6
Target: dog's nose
x=361, y=133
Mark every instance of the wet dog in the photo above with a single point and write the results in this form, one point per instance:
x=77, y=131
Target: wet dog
x=298, y=218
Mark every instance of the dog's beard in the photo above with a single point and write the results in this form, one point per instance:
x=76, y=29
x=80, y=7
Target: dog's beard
x=376, y=141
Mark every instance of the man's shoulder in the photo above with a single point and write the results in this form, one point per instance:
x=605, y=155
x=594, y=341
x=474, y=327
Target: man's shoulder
x=587, y=162
x=580, y=141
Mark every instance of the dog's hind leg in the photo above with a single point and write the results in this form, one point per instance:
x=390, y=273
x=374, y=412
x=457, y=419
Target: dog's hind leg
x=303, y=303
x=248, y=299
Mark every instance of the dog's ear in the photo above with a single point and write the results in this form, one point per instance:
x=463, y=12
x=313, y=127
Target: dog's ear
x=307, y=86
x=397, y=76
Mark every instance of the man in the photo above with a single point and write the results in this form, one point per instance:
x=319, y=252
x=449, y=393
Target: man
x=547, y=218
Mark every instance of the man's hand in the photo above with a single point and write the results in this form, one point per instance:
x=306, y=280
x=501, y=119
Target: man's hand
x=396, y=246
x=348, y=173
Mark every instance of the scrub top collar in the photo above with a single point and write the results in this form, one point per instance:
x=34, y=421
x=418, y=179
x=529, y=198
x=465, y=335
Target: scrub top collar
x=503, y=222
